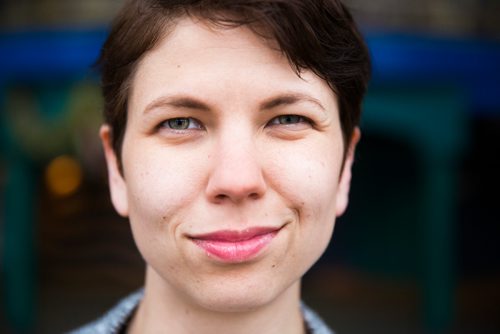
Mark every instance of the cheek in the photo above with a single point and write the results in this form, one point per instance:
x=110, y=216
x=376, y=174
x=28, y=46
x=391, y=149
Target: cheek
x=161, y=192
x=307, y=178
x=160, y=185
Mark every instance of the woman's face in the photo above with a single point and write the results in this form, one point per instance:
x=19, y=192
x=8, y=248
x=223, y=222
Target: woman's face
x=231, y=167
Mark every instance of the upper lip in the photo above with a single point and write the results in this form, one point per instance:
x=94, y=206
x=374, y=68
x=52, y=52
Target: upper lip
x=235, y=235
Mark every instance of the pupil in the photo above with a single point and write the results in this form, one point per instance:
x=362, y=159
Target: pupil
x=289, y=119
x=179, y=123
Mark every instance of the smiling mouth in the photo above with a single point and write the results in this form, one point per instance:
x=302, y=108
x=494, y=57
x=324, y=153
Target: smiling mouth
x=235, y=246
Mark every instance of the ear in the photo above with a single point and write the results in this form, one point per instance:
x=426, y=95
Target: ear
x=345, y=177
x=117, y=184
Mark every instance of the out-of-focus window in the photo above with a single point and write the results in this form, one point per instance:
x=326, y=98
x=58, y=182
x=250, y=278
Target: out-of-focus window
x=18, y=14
x=448, y=17
x=443, y=17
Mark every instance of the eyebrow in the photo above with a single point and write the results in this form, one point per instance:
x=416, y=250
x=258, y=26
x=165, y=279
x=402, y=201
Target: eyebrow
x=289, y=99
x=273, y=102
x=177, y=102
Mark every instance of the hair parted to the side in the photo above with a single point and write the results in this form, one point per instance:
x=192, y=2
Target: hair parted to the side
x=319, y=35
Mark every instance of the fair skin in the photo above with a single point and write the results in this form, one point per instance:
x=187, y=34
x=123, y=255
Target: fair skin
x=224, y=138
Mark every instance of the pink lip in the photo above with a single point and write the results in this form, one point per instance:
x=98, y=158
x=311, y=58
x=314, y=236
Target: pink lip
x=236, y=246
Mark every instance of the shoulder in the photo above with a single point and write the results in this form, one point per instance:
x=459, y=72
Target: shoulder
x=113, y=321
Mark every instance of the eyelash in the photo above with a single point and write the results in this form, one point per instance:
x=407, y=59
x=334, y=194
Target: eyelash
x=167, y=123
x=299, y=119
x=276, y=121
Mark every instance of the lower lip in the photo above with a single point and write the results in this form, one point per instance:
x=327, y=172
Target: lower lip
x=236, y=251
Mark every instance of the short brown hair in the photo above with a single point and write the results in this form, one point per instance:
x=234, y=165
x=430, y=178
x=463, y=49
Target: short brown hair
x=319, y=35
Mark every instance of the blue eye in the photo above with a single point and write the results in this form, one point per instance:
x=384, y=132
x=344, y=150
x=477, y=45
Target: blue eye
x=178, y=123
x=288, y=120
x=181, y=123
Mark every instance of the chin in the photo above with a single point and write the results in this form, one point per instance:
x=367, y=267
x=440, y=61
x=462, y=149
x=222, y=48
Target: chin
x=234, y=295
x=236, y=302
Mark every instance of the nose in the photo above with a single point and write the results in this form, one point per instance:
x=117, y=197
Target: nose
x=237, y=174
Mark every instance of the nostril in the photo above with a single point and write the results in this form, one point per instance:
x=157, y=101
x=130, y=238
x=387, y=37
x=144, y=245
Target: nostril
x=221, y=197
x=254, y=196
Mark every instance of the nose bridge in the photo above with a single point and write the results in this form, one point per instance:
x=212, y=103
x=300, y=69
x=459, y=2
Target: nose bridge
x=237, y=170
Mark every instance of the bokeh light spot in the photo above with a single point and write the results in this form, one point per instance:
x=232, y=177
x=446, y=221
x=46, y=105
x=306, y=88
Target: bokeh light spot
x=63, y=176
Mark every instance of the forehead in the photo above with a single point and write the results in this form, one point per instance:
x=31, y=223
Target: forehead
x=193, y=41
x=198, y=57
x=191, y=31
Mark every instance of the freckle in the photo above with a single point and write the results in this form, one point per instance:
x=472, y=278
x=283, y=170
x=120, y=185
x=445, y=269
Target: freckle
x=178, y=66
x=273, y=266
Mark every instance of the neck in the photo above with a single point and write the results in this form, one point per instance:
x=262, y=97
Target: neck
x=162, y=308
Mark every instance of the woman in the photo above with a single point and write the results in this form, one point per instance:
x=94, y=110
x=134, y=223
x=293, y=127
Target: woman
x=229, y=138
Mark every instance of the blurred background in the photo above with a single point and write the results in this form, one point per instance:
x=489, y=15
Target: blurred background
x=418, y=250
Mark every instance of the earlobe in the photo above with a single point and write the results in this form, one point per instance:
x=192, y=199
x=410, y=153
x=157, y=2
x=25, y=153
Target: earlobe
x=117, y=185
x=345, y=178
